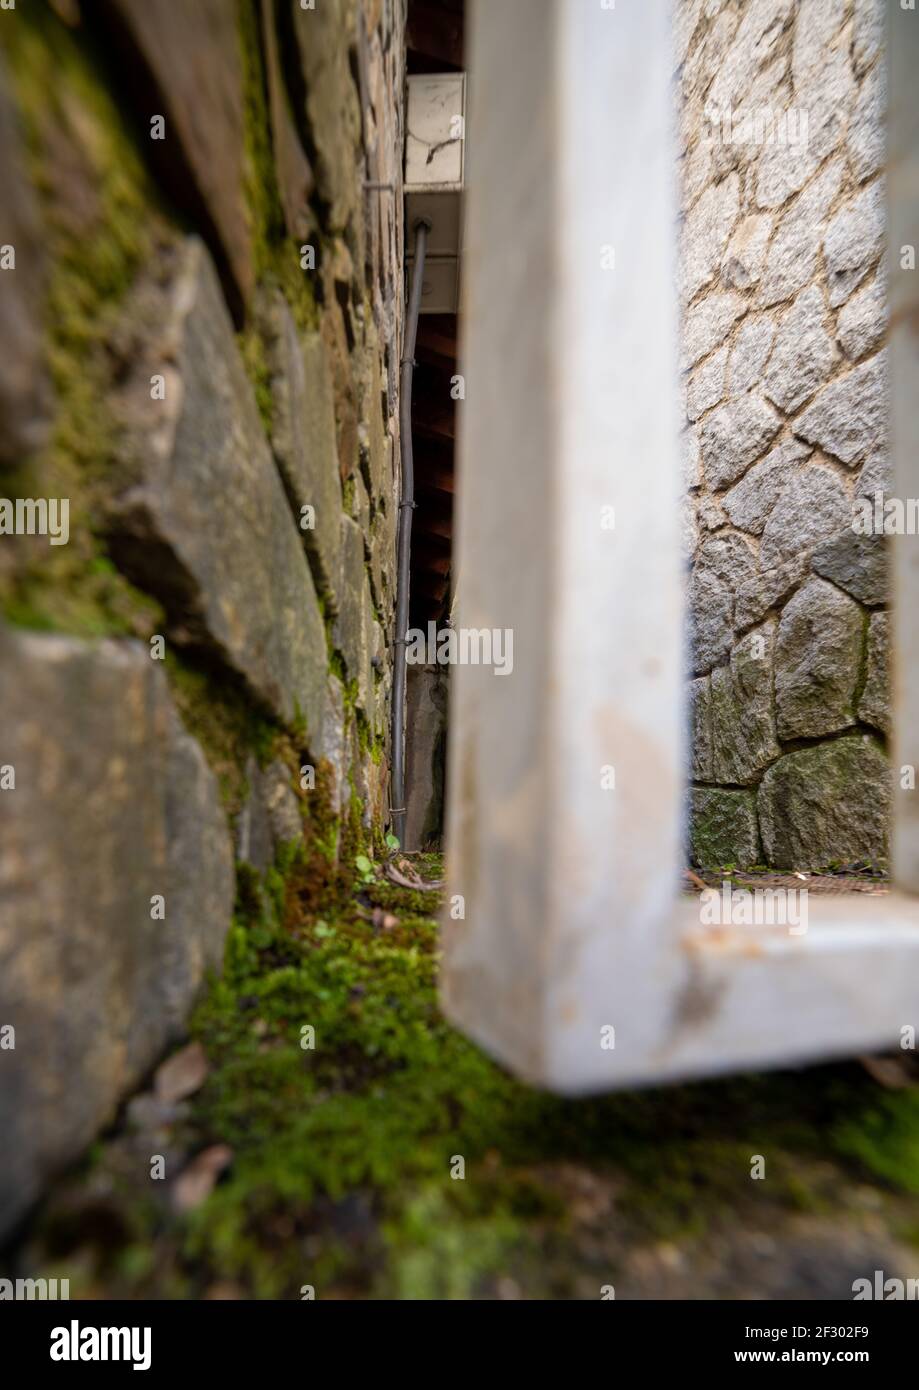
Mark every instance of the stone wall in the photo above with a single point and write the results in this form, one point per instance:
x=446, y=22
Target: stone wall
x=781, y=117
x=201, y=321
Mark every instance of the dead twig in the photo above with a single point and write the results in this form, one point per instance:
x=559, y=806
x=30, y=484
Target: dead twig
x=419, y=884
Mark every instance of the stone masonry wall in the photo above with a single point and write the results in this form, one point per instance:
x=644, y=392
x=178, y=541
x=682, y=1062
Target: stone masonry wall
x=201, y=312
x=782, y=135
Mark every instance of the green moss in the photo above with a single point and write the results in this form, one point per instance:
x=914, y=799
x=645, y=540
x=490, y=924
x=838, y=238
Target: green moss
x=277, y=256
x=225, y=723
x=719, y=827
x=343, y=1153
x=884, y=1138
x=100, y=218
x=255, y=358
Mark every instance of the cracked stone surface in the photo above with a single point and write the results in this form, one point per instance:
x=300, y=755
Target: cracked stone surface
x=826, y=805
x=862, y=322
x=856, y=563
x=874, y=704
x=107, y=778
x=812, y=505
x=303, y=438
x=850, y=415
x=818, y=655
x=734, y=435
x=750, y=353
x=706, y=324
x=205, y=492
x=710, y=619
x=743, y=719
x=804, y=355
x=853, y=241
x=706, y=233
x=768, y=589
x=794, y=250
x=723, y=827
x=749, y=502
x=706, y=385
x=744, y=259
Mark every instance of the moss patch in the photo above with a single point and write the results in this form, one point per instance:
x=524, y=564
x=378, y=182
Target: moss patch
x=277, y=256
x=101, y=218
x=343, y=1153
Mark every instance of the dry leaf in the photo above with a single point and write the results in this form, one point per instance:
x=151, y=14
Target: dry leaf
x=419, y=884
x=197, y=1180
x=893, y=1073
x=181, y=1074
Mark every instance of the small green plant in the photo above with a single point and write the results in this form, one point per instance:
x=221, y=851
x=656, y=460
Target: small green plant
x=365, y=869
x=393, y=841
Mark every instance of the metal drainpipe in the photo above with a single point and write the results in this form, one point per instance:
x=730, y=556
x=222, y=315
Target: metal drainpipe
x=406, y=507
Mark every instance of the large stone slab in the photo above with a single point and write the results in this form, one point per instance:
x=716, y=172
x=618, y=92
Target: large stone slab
x=767, y=589
x=818, y=655
x=708, y=323
x=850, y=416
x=866, y=136
x=722, y=828
x=711, y=607
x=734, y=435
x=303, y=437
x=742, y=715
x=353, y=630
x=743, y=261
x=333, y=111
x=812, y=505
x=793, y=251
x=700, y=729
x=270, y=816
x=750, y=501
x=295, y=177
x=862, y=322
x=113, y=805
x=332, y=743
x=826, y=805
x=856, y=563
x=804, y=356
x=187, y=67
x=853, y=241
x=750, y=353
x=706, y=232
x=204, y=522
x=874, y=703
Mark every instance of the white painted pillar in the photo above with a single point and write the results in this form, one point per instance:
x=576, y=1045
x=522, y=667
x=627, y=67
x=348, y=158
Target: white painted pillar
x=571, y=409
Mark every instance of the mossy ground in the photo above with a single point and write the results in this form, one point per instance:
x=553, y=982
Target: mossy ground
x=343, y=1154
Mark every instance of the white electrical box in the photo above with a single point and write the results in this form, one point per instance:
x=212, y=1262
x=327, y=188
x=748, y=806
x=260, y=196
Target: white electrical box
x=435, y=147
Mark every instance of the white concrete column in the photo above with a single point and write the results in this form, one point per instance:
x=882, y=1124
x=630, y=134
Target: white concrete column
x=566, y=776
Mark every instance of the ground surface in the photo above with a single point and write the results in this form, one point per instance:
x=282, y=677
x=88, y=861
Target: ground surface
x=331, y=1167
